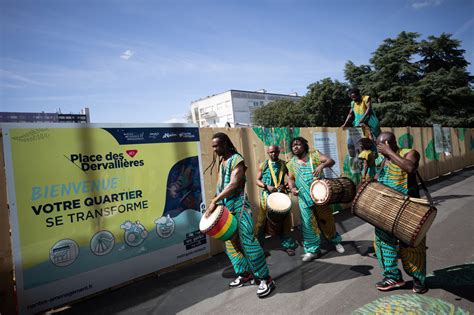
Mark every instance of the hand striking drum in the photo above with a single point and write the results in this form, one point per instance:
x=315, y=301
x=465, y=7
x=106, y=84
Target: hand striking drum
x=242, y=248
x=303, y=167
x=275, y=205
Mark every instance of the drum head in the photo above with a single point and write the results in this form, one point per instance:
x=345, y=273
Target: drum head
x=207, y=223
x=319, y=191
x=279, y=202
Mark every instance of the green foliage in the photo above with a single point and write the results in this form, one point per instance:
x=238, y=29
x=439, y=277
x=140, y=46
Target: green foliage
x=417, y=83
x=280, y=113
x=326, y=103
x=411, y=82
x=395, y=114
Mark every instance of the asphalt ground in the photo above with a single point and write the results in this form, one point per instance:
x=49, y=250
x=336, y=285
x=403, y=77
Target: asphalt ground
x=332, y=284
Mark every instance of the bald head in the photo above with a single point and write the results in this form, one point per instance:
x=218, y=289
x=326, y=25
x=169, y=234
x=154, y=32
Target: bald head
x=388, y=138
x=273, y=152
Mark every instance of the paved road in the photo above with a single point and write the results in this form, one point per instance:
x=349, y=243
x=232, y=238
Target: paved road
x=332, y=284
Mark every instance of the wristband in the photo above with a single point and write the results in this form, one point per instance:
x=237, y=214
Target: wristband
x=265, y=187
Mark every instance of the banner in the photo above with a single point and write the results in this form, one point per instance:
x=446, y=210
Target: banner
x=326, y=143
x=438, y=138
x=95, y=206
x=353, y=166
x=447, y=141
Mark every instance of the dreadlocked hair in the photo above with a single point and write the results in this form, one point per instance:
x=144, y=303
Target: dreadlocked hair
x=303, y=141
x=227, y=142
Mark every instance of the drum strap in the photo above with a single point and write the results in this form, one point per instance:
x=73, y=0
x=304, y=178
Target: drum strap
x=272, y=172
x=423, y=186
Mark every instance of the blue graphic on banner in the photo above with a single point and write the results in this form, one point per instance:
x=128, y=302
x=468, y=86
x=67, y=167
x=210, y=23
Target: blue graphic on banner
x=183, y=188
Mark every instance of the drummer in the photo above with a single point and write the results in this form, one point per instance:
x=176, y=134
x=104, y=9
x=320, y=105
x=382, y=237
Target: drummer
x=303, y=168
x=271, y=177
x=398, y=171
x=246, y=254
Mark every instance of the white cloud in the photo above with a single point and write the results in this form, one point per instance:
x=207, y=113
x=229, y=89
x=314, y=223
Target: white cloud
x=464, y=28
x=175, y=119
x=11, y=76
x=127, y=54
x=425, y=3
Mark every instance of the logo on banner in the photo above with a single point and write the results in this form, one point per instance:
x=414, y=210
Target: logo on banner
x=132, y=153
x=111, y=160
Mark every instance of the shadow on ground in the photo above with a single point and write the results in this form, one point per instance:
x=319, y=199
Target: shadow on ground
x=459, y=280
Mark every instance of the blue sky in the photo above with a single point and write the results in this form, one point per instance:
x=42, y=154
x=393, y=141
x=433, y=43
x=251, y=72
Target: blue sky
x=145, y=61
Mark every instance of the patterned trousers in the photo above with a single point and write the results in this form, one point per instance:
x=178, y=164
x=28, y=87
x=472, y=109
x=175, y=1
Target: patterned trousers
x=310, y=217
x=248, y=256
x=413, y=258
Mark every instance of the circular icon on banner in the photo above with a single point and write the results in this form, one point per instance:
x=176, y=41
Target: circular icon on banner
x=135, y=233
x=64, y=252
x=165, y=226
x=102, y=243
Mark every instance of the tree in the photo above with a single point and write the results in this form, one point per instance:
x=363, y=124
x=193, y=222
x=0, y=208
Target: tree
x=188, y=117
x=425, y=80
x=441, y=53
x=411, y=82
x=326, y=103
x=280, y=113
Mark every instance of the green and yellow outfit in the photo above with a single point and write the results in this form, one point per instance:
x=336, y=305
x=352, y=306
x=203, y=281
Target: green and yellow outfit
x=369, y=157
x=359, y=109
x=252, y=259
x=273, y=174
x=311, y=215
x=413, y=258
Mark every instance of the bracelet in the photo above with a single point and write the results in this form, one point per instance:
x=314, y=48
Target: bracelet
x=265, y=187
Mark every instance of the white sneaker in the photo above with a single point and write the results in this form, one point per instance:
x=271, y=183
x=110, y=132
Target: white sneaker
x=309, y=256
x=265, y=287
x=339, y=248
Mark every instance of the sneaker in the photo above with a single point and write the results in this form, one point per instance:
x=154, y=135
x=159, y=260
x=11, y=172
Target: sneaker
x=389, y=283
x=266, y=287
x=290, y=251
x=339, y=248
x=240, y=281
x=419, y=287
x=309, y=256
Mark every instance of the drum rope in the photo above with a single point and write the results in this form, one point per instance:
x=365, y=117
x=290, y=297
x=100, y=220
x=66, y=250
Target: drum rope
x=400, y=212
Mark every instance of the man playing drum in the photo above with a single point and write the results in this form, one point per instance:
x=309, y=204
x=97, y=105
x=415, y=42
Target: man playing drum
x=303, y=167
x=245, y=254
x=398, y=171
x=271, y=177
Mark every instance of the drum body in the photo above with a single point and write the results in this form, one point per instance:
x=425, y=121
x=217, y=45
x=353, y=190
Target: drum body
x=332, y=190
x=408, y=219
x=278, y=208
x=221, y=224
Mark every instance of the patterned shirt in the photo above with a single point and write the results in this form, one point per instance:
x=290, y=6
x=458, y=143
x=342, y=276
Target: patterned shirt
x=234, y=201
x=279, y=171
x=303, y=174
x=394, y=177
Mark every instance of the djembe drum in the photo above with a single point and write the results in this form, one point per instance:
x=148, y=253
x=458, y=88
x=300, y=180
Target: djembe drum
x=278, y=208
x=221, y=224
x=332, y=190
x=406, y=218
